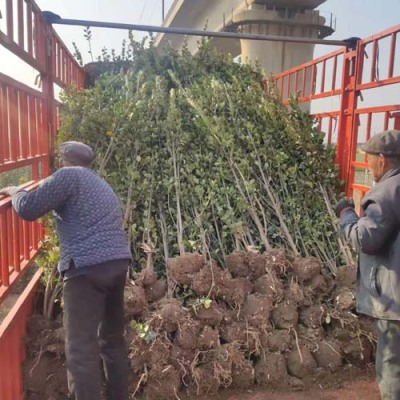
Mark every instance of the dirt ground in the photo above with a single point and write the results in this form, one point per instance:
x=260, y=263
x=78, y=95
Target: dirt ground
x=348, y=384
x=362, y=390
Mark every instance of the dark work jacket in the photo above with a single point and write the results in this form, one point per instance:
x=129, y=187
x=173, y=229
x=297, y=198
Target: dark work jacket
x=376, y=235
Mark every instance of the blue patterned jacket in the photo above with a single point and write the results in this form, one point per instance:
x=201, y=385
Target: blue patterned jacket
x=88, y=214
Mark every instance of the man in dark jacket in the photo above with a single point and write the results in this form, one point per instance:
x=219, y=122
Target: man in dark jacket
x=376, y=235
x=94, y=257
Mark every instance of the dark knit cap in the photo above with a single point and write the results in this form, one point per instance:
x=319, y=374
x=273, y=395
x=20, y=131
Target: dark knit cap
x=386, y=143
x=76, y=153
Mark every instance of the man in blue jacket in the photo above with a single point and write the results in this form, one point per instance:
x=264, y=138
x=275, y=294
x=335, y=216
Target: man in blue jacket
x=376, y=235
x=94, y=257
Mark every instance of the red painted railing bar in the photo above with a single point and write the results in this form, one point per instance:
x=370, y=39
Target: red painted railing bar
x=9, y=166
x=4, y=249
x=24, y=133
x=391, y=54
x=386, y=121
x=330, y=131
x=334, y=73
x=378, y=109
x=29, y=27
x=383, y=82
x=313, y=77
x=322, y=87
x=10, y=19
x=16, y=242
x=9, y=234
x=13, y=118
x=303, y=86
x=3, y=120
x=21, y=33
x=373, y=61
x=296, y=81
x=309, y=63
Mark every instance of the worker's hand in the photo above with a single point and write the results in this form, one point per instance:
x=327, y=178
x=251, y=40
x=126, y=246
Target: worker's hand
x=9, y=190
x=343, y=204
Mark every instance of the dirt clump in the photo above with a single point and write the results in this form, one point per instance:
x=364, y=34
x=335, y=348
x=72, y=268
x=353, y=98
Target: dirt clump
x=307, y=268
x=313, y=316
x=156, y=291
x=135, y=301
x=270, y=370
x=208, y=338
x=277, y=261
x=237, y=265
x=164, y=382
x=270, y=285
x=257, y=309
x=285, y=315
x=211, y=315
x=329, y=355
x=300, y=363
x=182, y=268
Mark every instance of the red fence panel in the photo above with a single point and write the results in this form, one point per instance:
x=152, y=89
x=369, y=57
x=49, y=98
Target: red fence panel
x=28, y=122
x=12, y=347
x=348, y=78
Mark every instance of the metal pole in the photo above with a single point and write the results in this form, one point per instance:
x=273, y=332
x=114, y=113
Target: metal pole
x=55, y=19
x=163, y=10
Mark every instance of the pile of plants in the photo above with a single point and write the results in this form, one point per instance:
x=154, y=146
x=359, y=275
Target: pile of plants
x=266, y=319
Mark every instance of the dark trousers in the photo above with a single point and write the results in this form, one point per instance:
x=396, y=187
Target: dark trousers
x=388, y=359
x=94, y=328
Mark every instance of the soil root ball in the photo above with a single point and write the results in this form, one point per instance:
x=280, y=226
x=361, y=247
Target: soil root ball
x=135, y=301
x=245, y=335
x=145, y=278
x=314, y=316
x=257, y=265
x=270, y=285
x=182, y=268
x=306, y=268
x=148, y=354
x=277, y=340
x=345, y=299
x=329, y=355
x=163, y=383
x=276, y=261
x=206, y=381
x=300, y=363
x=182, y=360
x=270, y=370
x=156, y=291
x=358, y=351
x=243, y=376
x=235, y=291
x=237, y=265
x=210, y=280
x=187, y=333
x=300, y=294
x=320, y=285
x=208, y=338
x=257, y=309
x=212, y=315
x=346, y=276
x=285, y=315
x=169, y=315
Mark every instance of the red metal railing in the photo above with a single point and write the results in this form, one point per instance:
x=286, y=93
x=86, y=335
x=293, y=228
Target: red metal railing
x=336, y=84
x=28, y=122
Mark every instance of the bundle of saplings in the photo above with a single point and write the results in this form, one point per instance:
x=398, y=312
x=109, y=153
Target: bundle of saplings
x=205, y=157
x=226, y=196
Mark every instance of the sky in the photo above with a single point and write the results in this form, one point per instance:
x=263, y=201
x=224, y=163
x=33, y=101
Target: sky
x=353, y=18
